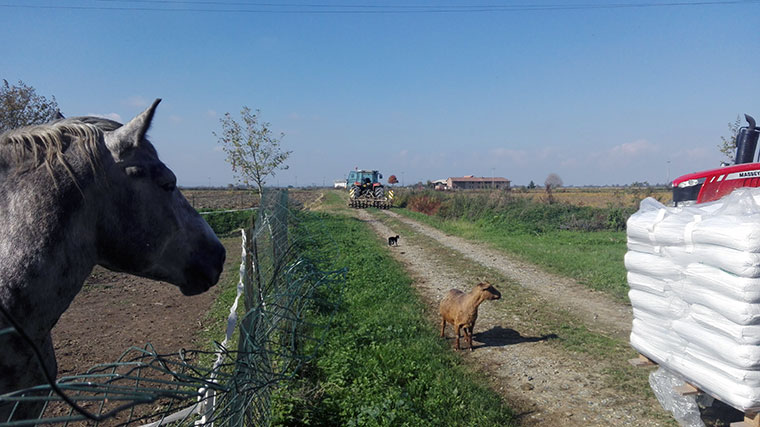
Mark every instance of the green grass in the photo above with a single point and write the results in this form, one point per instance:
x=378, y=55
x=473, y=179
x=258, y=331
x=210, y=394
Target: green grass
x=382, y=363
x=335, y=200
x=594, y=258
x=225, y=223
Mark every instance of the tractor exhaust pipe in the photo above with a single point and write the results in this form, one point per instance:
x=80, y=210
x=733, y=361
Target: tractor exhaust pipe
x=746, y=141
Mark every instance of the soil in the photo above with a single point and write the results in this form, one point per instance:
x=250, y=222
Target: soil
x=545, y=384
x=116, y=311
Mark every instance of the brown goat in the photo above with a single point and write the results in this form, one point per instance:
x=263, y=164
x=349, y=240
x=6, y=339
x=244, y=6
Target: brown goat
x=461, y=309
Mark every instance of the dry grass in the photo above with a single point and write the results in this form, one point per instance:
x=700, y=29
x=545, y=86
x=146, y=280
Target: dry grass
x=598, y=197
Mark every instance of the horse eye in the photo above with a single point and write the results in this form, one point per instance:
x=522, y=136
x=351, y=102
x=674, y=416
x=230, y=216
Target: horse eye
x=134, y=171
x=168, y=186
x=166, y=180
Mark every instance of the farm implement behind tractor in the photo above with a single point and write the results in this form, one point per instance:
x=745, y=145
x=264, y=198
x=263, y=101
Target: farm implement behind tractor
x=366, y=191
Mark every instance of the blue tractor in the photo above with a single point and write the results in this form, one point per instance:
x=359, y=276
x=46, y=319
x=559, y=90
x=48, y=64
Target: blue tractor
x=365, y=190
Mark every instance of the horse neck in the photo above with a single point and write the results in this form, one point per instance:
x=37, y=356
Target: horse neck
x=49, y=248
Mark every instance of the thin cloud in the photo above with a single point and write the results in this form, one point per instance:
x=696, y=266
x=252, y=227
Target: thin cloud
x=635, y=148
x=506, y=154
x=700, y=153
x=570, y=162
x=211, y=113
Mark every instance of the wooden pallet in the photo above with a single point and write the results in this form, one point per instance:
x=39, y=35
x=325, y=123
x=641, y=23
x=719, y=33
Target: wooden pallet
x=751, y=419
x=642, y=362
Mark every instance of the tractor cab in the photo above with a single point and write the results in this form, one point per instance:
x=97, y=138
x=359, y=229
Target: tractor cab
x=362, y=177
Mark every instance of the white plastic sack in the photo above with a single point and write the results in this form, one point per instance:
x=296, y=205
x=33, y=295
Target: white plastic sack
x=694, y=275
x=646, y=283
x=710, y=319
x=730, y=285
x=671, y=261
x=733, y=222
x=655, y=266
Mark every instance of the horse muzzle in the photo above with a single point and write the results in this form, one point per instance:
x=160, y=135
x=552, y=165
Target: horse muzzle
x=204, y=273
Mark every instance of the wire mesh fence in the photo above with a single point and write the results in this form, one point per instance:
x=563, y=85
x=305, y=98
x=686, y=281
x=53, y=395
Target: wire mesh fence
x=269, y=336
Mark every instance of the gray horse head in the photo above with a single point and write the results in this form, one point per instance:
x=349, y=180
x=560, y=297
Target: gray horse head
x=78, y=192
x=147, y=227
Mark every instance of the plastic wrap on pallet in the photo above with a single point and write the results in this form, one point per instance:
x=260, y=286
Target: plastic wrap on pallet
x=683, y=408
x=730, y=222
x=694, y=277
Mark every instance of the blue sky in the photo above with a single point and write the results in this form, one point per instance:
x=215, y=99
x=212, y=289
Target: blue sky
x=598, y=95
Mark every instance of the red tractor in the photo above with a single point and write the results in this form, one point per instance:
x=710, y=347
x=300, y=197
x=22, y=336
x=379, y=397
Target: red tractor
x=706, y=186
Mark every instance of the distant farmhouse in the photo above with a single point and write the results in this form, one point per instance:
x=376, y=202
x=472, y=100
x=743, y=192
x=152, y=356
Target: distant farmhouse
x=470, y=182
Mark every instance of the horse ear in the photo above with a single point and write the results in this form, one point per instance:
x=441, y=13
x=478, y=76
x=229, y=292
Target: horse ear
x=58, y=115
x=130, y=134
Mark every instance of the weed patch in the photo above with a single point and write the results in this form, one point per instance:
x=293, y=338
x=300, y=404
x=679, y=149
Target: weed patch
x=226, y=223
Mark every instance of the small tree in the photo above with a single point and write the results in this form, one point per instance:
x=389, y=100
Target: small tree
x=252, y=151
x=532, y=185
x=728, y=144
x=553, y=181
x=392, y=179
x=21, y=106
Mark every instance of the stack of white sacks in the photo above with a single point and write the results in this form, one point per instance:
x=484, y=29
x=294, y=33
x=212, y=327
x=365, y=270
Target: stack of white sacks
x=694, y=274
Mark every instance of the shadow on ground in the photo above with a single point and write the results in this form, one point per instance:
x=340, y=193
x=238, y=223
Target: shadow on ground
x=500, y=337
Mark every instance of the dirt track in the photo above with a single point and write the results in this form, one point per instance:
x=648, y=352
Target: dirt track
x=545, y=384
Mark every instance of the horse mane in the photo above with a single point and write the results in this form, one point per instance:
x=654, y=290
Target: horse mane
x=45, y=144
